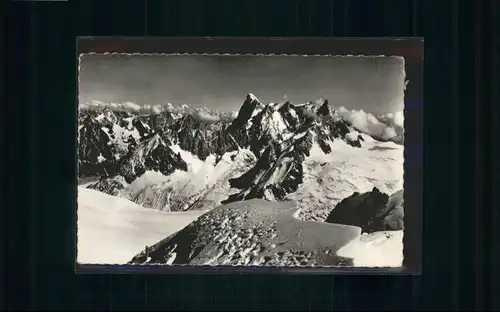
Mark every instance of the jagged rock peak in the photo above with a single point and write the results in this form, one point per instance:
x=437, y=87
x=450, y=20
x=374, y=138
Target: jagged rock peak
x=252, y=97
x=246, y=111
x=324, y=110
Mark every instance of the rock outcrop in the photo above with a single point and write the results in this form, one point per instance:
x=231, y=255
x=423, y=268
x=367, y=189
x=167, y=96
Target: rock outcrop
x=372, y=211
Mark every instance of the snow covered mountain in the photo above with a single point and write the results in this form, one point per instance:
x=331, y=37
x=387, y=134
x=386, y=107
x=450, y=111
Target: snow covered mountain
x=277, y=166
x=121, y=147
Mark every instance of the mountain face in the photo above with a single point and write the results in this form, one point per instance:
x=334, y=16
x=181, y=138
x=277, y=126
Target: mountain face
x=120, y=146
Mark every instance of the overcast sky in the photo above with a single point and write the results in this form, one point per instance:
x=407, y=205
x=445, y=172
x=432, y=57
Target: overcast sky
x=374, y=84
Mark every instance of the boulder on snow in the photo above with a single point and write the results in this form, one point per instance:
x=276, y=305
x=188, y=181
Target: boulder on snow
x=372, y=211
x=390, y=218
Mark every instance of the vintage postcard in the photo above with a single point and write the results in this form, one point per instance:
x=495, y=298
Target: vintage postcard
x=241, y=160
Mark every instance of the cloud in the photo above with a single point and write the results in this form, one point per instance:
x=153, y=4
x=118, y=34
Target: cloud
x=156, y=109
x=234, y=114
x=319, y=101
x=131, y=106
x=83, y=107
x=386, y=127
x=207, y=116
x=169, y=107
x=393, y=119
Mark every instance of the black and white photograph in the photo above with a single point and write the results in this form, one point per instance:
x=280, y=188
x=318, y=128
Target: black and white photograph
x=241, y=160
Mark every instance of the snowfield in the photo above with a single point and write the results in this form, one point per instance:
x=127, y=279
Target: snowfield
x=203, y=186
x=379, y=249
x=329, y=178
x=111, y=230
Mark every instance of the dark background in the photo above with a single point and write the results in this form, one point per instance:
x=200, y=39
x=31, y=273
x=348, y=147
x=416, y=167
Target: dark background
x=38, y=178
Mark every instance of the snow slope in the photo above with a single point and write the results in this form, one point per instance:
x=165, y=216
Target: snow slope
x=253, y=232
x=111, y=230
